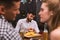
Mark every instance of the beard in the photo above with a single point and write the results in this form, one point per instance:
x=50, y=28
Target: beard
x=29, y=20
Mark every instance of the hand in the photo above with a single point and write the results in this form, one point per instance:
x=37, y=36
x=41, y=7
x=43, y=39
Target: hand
x=31, y=29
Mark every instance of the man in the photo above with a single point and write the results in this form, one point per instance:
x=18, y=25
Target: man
x=8, y=13
x=27, y=23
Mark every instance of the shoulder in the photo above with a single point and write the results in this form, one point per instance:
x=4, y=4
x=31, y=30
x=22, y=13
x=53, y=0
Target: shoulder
x=13, y=33
x=34, y=21
x=21, y=20
x=55, y=33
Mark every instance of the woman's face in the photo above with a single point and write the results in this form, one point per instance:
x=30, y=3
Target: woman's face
x=44, y=13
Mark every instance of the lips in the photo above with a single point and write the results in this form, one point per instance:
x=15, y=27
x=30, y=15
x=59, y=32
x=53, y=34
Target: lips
x=14, y=15
x=40, y=16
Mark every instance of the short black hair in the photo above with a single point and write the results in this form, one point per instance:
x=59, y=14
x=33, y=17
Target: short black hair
x=31, y=12
x=8, y=3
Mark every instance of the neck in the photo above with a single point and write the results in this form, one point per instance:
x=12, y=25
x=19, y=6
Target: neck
x=49, y=22
x=7, y=18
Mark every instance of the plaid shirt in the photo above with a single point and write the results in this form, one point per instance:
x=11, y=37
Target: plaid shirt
x=7, y=31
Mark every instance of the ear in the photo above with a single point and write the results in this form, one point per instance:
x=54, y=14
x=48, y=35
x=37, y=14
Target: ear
x=28, y=14
x=34, y=15
x=2, y=10
x=51, y=12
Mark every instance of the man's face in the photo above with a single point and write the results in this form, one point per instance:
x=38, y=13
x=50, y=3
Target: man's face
x=44, y=13
x=13, y=11
x=30, y=16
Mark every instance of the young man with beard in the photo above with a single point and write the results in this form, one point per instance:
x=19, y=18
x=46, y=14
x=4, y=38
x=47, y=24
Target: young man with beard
x=27, y=23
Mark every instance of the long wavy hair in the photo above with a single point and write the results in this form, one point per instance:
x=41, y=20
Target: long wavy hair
x=54, y=6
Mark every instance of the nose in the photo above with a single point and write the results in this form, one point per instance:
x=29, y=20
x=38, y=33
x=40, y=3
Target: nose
x=18, y=12
x=39, y=13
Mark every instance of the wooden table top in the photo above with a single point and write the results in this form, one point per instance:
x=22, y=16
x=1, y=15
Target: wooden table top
x=42, y=37
x=34, y=38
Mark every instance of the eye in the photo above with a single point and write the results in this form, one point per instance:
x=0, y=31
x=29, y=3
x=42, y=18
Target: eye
x=2, y=9
x=15, y=9
x=41, y=9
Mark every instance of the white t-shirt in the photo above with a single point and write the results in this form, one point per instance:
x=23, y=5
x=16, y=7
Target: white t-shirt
x=22, y=25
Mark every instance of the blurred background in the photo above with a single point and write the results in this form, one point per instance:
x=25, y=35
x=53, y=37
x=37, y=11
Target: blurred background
x=30, y=5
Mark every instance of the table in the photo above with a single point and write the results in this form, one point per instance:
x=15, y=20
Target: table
x=42, y=37
x=34, y=38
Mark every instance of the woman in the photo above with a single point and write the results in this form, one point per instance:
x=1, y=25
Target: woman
x=50, y=14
